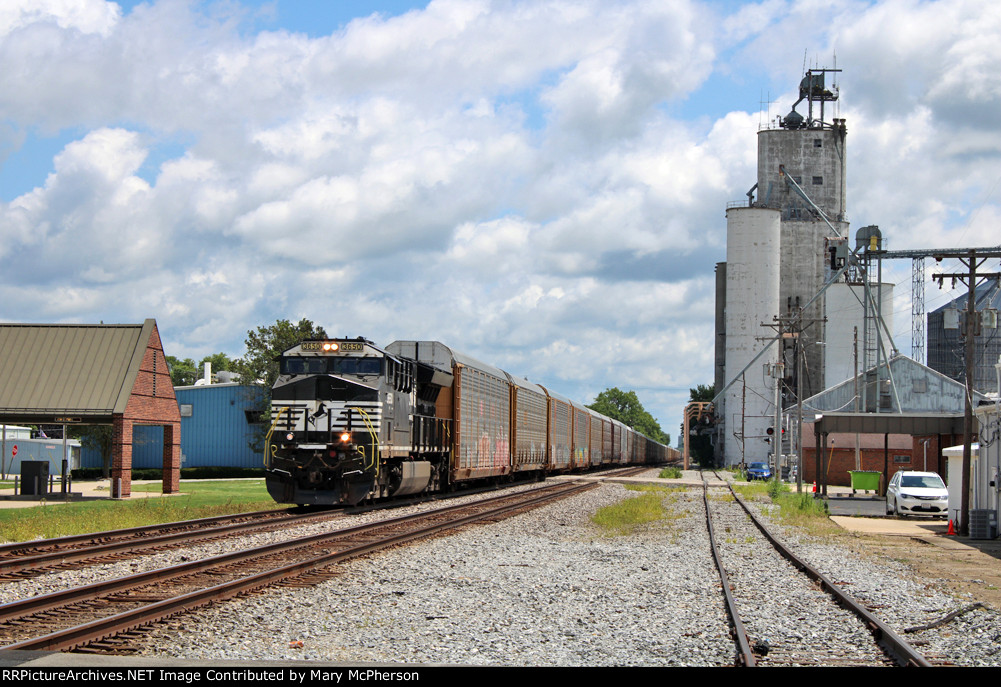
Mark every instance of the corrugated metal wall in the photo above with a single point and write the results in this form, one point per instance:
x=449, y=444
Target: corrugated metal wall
x=216, y=433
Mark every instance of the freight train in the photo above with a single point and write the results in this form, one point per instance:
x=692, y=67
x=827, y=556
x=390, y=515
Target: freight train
x=351, y=421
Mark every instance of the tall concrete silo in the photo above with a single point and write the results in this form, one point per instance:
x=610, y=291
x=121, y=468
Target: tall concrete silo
x=753, y=245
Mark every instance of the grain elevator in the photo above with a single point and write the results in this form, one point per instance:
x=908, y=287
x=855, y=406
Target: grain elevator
x=784, y=243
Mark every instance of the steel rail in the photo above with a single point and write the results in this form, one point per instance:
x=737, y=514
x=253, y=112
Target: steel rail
x=745, y=657
x=46, y=602
x=9, y=552
x=106, y=627
x=53, y=558
x=894, y=645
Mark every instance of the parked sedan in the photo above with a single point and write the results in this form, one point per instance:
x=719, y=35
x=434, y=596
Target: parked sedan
x=917, y=493
x=759, y=471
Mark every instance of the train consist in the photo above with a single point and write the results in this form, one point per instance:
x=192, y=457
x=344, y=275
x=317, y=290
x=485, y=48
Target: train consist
x=352, y=421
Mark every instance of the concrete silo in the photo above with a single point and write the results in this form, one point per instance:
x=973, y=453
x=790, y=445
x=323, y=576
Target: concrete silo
x=753, y=245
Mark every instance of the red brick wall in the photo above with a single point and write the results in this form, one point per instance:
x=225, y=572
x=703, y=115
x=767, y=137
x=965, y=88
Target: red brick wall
x=838, y=462
x=151, y=402
x=936, y=462
x=121, y=458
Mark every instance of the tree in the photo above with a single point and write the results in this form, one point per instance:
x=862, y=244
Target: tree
x=186, y=372
x=220, y=362
x=702, y=393
x=96, y=438
x=182, y=372
x=625, y=407
x=259, y=366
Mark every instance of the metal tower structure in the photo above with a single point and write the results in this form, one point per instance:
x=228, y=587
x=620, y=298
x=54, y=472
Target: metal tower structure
x=918, y=309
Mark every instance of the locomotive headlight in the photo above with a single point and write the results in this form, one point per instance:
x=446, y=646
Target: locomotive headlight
x=330, y=346
x=345, y=437
x=289, y=436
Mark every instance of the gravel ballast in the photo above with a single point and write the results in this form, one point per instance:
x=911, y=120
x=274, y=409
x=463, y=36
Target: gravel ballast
x=545, y=588
x=542, y=588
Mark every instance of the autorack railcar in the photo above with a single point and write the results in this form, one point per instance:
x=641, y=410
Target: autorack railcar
x=352, y=421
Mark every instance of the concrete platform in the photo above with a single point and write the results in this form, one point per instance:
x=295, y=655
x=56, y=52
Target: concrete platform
x=90, y=490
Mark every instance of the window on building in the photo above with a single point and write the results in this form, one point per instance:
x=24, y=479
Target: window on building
x=817, y=181
x=817, y=143
x=186, y=409
x=899, y=459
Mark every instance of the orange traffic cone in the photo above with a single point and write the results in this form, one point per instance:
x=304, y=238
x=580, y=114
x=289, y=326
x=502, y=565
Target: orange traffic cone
x=952, y=530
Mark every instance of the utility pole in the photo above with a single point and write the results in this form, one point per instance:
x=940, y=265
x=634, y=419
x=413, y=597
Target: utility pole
x=971, y=327
x=790, y=328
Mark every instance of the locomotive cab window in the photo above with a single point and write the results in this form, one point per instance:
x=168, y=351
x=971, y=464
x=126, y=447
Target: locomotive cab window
x=355, y=366
x=303, y=366
x=318, y=365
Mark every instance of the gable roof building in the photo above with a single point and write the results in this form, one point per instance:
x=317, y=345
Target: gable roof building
x=92, y=374
x=909, y=388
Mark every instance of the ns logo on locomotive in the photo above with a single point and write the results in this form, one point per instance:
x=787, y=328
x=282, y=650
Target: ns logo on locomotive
x=351, y=421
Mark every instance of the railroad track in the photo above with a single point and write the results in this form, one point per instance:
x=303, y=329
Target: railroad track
x=106, y=616
x=798, y=617
x=23, y=560
x=30, y=559
x=624, y=472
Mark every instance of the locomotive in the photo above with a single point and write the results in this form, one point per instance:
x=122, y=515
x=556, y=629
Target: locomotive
x=351, y=421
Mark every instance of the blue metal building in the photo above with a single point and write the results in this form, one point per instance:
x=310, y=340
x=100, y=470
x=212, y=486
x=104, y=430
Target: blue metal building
x=218, y=423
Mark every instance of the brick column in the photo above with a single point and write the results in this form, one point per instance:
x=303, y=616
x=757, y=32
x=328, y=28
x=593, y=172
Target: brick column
x=172, y=458
x=121, y=457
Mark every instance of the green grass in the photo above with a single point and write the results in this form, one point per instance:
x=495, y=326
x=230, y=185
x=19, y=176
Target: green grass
x=805, y=511
x=199, y=500
x=670, y=473
x=738, y=474
x=626, y=516
x=754, y=489
x=663, y=490
x=799, y=509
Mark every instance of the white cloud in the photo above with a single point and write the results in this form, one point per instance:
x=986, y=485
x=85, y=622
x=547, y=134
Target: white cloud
x=514, y=178
x=85, y=16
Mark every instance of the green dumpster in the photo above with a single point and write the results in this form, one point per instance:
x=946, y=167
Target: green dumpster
x=865, y=480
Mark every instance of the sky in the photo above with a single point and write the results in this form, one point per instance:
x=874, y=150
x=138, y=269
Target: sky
x=540, y=185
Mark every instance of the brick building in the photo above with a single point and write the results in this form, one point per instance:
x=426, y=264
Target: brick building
x=93, y=374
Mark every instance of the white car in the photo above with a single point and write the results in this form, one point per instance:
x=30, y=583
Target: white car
x=917, y=493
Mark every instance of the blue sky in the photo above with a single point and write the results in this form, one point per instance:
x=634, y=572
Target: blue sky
x=539, y=184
